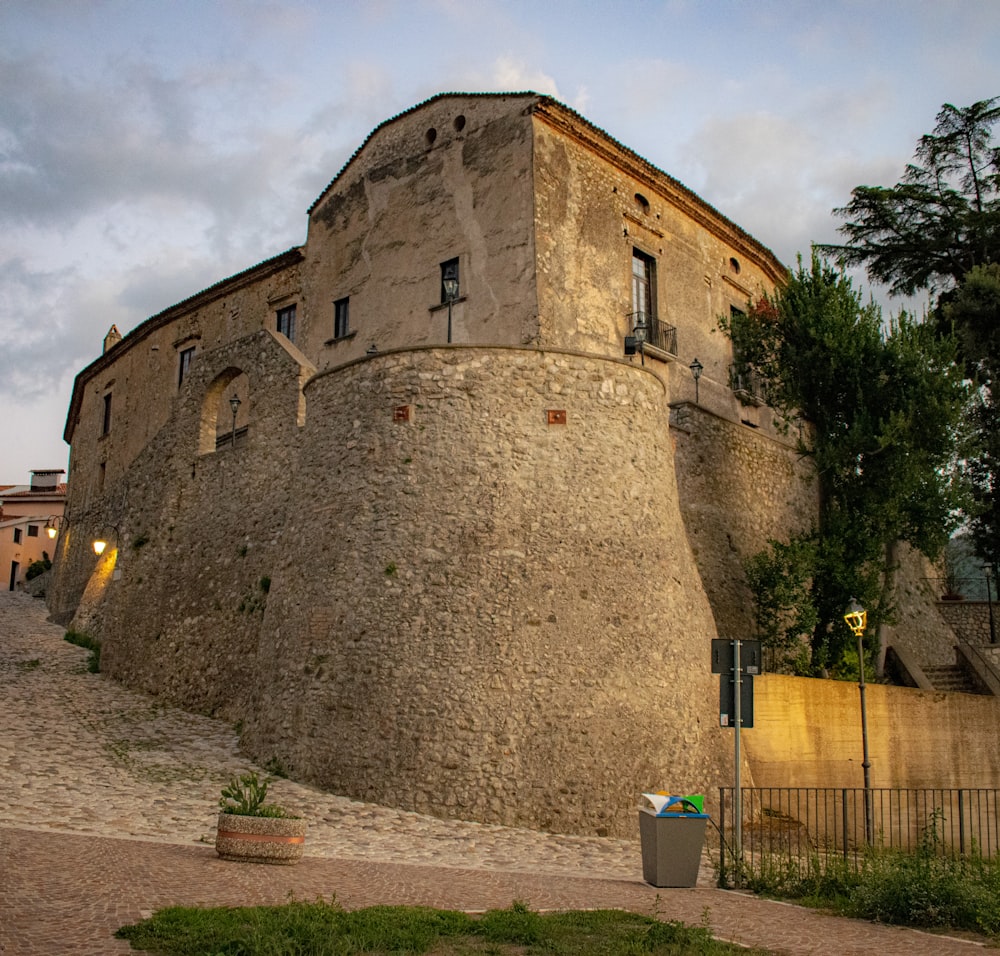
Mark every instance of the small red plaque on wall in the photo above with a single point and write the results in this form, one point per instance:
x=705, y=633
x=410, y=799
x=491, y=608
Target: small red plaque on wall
x=401, y=413
x=556, y=416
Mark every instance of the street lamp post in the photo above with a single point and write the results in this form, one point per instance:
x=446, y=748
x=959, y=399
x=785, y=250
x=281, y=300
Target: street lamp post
x=234, y=404
x=856, y=618
x=989, y=602
x=696, y=370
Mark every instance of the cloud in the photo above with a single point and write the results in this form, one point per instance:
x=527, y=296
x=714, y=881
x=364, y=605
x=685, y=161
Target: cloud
x=37, y=343
x=778, y=177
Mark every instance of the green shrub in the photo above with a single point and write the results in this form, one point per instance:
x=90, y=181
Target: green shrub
x=928, y=887
x=38, y=567
x=85, y=640
x=245, y=796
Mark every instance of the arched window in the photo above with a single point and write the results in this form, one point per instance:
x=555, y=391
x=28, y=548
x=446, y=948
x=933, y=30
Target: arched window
x=225, y=412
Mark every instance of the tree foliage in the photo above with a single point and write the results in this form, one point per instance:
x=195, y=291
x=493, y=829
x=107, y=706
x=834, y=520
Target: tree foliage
x=942, y=218
x=974, y=311
x=882, y=407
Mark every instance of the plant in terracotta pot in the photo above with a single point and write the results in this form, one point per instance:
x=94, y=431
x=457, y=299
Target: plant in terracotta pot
x=250, y=830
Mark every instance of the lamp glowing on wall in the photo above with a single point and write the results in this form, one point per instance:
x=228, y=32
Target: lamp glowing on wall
x=53, y=525
x=856, y=618
x=100, y=545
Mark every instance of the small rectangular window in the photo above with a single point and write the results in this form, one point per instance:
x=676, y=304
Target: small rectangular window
x=286, y=322
x=17, y=536
x=32, y=530
x=449, y=280
x=341, y=317
x=106, y=425
x=186, y=358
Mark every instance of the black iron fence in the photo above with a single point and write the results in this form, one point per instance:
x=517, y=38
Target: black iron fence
x=806, y=827
x=657, y=333
x=967, y=587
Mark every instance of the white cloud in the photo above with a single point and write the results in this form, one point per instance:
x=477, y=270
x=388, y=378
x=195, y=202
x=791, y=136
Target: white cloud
x=512, y=75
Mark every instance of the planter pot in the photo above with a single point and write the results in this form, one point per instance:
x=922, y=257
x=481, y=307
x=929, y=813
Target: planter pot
x=260, y=839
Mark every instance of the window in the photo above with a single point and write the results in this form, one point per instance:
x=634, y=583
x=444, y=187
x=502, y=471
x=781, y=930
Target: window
x=17, y=536
x=32, y=530
x=286, y=322
x=186, y=358
x=341, y=318
x=743, y=378
x=106, y=425
x=643, y=287
x=449, y=277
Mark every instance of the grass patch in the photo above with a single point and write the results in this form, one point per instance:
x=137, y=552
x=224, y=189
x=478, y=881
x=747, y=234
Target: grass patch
x=326, y=929
x=85, y=640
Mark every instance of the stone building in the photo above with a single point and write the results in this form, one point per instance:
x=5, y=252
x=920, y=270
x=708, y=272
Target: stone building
x=412, y=504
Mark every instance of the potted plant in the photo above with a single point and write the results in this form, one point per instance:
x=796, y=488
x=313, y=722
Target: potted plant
x=250, y=830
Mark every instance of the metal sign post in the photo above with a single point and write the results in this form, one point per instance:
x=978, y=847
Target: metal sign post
x=738, y=799
x=736, y=662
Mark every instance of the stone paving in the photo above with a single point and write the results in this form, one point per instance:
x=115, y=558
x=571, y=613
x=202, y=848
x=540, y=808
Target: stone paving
x=107, y=812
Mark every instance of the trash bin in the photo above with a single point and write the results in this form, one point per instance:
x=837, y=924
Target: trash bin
x=672, y=836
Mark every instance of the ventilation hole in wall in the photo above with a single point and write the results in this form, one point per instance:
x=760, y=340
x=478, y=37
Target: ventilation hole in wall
x=734, y=265
x=642, y=201
x=459, y=123
x=430, y=136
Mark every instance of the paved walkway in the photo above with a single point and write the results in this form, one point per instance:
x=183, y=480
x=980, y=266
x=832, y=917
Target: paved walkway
x=107, y=813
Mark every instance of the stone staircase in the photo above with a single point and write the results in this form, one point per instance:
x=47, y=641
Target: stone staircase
x=951, y=678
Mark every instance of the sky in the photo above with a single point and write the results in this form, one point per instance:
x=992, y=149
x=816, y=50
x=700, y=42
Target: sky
x=149, y=148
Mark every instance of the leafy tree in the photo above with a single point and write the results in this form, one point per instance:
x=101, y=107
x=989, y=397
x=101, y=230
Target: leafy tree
x=974, y=311
x=882, y=407
x=942, y=218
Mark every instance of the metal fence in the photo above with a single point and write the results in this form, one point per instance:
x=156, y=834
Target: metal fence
x=805, y=827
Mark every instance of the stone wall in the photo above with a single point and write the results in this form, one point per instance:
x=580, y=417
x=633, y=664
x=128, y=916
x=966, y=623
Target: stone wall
x=738, y=489
x=970, y=620
x=178, y=597
x=450, y=181
x=503, y=621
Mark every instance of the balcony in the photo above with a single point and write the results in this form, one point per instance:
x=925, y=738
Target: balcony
x=658, y=335
x=747, y=385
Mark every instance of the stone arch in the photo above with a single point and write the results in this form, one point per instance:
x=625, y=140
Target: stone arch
x=217, y=429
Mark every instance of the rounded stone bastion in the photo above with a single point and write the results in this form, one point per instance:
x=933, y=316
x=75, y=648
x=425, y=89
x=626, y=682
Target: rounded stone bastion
x=486, y=606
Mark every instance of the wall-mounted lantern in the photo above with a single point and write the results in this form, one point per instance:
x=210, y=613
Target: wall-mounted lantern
x=637, y=341
x=449, y=280
x=987, y=570
x=696, y=370
x=100, y=545
x=234, y=404
x=53, y=525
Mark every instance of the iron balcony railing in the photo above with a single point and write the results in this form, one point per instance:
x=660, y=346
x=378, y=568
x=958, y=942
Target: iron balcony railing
x=227, y=440
x=804, y=829
x=747, y=385
x=658, y=334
